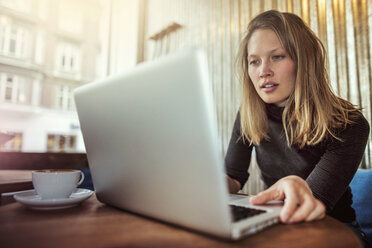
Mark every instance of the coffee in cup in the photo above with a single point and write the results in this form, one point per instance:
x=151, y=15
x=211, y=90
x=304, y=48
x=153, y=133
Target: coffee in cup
x=56, y=183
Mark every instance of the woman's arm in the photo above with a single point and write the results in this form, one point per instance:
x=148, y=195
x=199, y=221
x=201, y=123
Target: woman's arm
x=234, y=185
x=237, y=158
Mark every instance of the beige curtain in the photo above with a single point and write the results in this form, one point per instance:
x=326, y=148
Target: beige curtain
x=344, y=26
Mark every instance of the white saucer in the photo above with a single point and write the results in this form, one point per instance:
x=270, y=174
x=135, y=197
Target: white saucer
x=32, y=200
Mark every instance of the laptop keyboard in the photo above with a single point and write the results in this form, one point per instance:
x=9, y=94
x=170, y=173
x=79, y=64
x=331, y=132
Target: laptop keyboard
x=240, y=213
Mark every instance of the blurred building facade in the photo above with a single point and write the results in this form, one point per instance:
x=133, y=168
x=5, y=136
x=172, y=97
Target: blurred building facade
x=47, y=49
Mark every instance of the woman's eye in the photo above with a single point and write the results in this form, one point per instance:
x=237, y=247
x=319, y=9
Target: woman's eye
x=276, y=57
x=253, y=62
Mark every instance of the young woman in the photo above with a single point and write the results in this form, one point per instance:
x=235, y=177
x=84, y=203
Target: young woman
x=309, y=142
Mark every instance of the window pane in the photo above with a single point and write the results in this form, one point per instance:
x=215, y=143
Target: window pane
x=17, y=142
x=51, y=142
x=72, y=144
x=9, y=89
x=21, y=97
x=62, y=143
x=2, y=37
x=13, y=41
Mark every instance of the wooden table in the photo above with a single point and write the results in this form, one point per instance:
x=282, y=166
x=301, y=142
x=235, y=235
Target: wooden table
x=15, y=180
x=93, y=224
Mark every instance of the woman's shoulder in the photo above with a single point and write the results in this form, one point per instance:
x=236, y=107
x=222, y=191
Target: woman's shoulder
x=359, y=120
x=358, y=126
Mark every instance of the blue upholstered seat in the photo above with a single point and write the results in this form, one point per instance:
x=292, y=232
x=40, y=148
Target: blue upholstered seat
x=361, y=186
x=87, y=183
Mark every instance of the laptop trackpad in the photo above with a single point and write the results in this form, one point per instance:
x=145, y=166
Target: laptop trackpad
x=233, y=198
x=244, y=199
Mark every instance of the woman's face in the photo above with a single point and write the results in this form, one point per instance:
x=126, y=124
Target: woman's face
x=270, y=68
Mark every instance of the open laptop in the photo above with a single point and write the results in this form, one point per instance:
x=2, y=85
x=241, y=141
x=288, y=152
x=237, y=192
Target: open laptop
x=153, y=148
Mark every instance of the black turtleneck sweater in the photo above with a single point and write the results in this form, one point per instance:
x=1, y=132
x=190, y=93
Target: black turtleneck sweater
x=327, y=167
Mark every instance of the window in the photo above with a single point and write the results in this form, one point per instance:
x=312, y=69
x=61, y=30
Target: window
x=13, y=145
x=64, y=97
x=61, y=143
x=13, y=88
x=68, y=58
x=13, y=39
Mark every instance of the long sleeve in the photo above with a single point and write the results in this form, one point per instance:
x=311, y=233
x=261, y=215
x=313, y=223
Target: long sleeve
x=332, y=174
x=238, y=155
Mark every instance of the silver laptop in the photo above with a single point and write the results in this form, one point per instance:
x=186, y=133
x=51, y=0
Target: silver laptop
x=153, y=147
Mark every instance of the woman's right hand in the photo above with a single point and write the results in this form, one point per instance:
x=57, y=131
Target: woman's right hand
x=299, y=201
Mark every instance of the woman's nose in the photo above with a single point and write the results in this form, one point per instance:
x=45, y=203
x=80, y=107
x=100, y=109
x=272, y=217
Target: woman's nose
x=266, y=70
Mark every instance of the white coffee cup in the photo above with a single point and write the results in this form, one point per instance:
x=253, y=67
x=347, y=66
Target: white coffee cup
x=56, y=183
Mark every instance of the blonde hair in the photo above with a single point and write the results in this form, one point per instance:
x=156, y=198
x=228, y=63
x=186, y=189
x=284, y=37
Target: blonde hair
x=312, y=112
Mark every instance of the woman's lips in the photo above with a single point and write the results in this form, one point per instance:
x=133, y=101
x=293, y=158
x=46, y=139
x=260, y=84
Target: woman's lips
x=269, y=87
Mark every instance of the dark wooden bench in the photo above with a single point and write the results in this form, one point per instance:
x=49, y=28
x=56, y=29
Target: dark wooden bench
x=36, y=161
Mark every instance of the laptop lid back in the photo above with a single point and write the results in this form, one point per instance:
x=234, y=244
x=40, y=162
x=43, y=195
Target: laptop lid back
x=152, y=142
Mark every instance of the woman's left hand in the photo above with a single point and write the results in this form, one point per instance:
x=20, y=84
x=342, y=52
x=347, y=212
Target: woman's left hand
x=299, y=202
